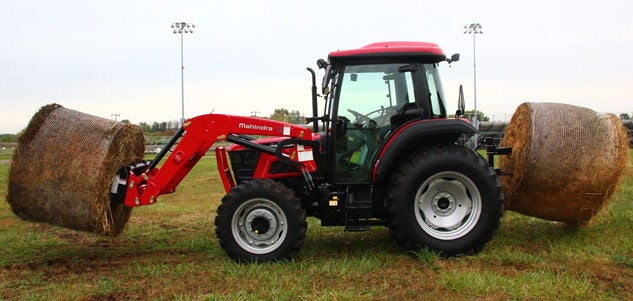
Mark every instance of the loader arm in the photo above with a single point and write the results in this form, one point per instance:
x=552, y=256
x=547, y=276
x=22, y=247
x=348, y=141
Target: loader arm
x=142, y=187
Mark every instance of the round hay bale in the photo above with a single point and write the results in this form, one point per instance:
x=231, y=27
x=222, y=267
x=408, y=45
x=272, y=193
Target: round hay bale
x=63, y=167
x=566, y=161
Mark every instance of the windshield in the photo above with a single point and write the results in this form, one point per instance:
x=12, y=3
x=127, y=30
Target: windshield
x=374, y=91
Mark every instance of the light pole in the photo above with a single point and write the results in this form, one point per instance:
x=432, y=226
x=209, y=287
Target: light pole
x=474, y=29
x=182, y=28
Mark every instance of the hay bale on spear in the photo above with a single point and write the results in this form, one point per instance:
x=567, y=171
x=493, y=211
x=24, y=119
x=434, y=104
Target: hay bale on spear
x=566, y=162
x=63, y=168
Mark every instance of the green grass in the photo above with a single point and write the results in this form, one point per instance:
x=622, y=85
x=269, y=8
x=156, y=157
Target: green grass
x=169, y=251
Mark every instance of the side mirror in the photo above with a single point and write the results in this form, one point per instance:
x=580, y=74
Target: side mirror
x=454, y=58
x=322, y=64
x=461, y=105
x=326, y=79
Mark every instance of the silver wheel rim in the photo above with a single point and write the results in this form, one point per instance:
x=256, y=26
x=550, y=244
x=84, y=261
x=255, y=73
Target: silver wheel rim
x=447, y=205
x=259, y=226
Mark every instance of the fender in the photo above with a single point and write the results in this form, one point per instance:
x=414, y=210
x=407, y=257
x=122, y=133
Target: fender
x=422, y=132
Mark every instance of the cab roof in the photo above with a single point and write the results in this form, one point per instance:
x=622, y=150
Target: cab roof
x=396, y=50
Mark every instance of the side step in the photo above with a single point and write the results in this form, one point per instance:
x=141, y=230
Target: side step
x=357, y=214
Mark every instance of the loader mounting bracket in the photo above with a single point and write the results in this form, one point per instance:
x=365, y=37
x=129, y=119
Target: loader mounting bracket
x=119, y=183
x=492, y=149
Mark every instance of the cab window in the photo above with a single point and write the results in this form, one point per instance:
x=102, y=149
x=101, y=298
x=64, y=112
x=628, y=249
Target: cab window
x=436, y=94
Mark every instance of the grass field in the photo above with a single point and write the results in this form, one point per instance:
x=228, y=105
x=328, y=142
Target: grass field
x=169, y=251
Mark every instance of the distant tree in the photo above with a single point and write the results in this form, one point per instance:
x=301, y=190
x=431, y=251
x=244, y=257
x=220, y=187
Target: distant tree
x=625, y=116
x=279, y=114
x=162, y=128
x=8, y=138
x=470, y=114
x=144, y=126
x=155, y=127
x=287, y=116
x=125, y=121
x=173, y=125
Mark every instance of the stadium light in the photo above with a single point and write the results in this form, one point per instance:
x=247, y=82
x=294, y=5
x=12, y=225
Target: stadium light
x=182, y=28
x=474, y=29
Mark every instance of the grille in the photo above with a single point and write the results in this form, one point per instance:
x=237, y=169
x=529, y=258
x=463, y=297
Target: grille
x=243, y=164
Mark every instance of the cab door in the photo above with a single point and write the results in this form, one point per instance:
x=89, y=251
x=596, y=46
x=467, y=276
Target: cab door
x=368, y=97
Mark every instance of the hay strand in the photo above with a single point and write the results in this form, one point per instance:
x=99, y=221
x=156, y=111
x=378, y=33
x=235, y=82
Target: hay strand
x=63, y=167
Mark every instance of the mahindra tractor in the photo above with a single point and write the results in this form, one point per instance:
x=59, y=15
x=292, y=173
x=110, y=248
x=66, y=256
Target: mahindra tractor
x=383, y=152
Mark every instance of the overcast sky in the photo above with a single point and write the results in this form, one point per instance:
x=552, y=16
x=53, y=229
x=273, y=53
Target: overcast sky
x=121, y=57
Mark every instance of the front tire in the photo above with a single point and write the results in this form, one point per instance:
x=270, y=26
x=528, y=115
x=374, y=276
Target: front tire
x=447, y=199
x=260, y=221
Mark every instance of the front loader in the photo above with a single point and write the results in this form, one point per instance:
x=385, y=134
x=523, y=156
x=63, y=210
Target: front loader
x=382, y=153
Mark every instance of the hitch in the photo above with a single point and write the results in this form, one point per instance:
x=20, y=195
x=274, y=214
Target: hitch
x=492, y=149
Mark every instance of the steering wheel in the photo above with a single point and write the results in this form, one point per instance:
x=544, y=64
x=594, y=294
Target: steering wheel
x=382, y=119
x=361, y=117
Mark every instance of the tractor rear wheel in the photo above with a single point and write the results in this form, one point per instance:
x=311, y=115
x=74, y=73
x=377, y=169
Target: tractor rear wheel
x=447, y=199
x=261, y=221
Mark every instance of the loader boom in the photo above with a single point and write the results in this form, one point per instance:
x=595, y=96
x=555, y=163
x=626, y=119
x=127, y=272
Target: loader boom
x=198, y=135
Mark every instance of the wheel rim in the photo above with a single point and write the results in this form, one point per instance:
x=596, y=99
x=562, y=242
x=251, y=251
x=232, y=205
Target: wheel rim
x=259, y=226
x=447, y=205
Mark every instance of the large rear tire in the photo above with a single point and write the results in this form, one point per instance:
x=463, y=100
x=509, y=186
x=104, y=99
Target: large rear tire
x=445, y=198
x=261, y=221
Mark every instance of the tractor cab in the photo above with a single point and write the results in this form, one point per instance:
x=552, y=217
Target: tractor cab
x=370, y=93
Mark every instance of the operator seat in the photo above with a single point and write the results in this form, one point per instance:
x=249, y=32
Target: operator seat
x=371, y=140
x=408, y=112
x=373, y=137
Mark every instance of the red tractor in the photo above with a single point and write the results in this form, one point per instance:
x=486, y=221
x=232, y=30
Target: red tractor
x=383, y=153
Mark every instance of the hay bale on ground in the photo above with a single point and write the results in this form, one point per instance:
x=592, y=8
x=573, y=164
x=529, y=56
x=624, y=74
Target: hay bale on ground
x=63, y=167
x=566, y=161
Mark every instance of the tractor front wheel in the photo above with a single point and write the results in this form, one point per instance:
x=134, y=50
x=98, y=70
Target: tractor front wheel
x=447, y=199
x=260, y=221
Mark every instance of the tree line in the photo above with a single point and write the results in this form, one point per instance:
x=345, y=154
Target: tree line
x=281, y=114
x=159, y=127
